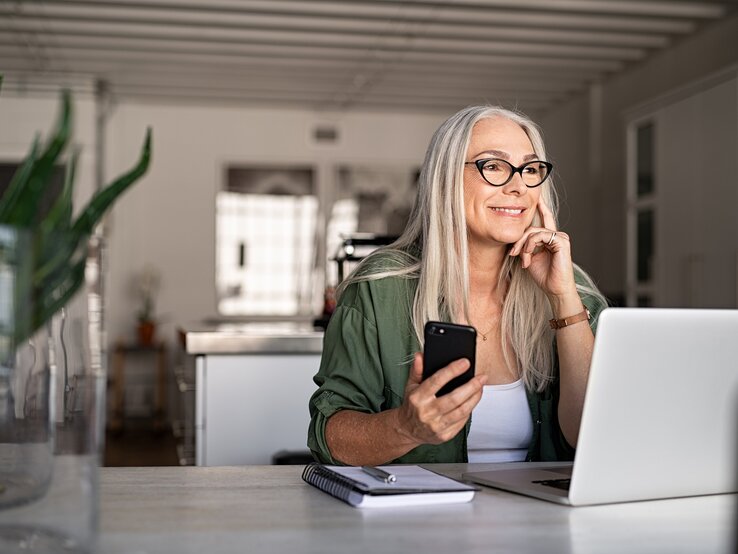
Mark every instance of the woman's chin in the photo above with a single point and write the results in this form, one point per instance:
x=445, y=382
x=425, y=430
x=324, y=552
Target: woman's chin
x=508, y=234
x=499, y=240
x=507, y=239
x=497, y=236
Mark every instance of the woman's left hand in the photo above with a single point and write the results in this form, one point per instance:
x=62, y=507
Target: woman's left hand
x=550, y=265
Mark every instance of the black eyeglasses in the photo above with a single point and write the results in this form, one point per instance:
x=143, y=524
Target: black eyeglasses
x=499, y=172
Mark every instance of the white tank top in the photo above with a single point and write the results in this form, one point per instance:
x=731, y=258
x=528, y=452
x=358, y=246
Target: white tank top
x=501, y=427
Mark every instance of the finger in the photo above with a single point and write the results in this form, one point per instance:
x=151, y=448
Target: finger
x=553, y=240
x=515, y=250
x=442, y=376
x=520, y=244
x=533, y=240
x=415, y=376
x=460, y=395
x=461, y=413
x=544, y=240
x=522, y=249
x=547, y=216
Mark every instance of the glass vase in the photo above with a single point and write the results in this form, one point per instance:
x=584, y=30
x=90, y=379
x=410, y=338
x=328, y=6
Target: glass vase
x=52, y=394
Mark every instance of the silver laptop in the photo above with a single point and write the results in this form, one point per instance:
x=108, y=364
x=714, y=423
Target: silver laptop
x=660, y=414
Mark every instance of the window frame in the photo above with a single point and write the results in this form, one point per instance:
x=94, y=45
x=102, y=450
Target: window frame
x=634, y=288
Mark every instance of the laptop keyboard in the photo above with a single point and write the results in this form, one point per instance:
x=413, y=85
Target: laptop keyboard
x=562, y=484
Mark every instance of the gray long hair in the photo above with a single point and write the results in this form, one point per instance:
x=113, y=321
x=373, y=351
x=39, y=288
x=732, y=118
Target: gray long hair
x=437, y=226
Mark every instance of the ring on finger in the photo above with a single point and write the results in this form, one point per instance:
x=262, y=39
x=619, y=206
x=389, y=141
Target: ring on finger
x=551, y=240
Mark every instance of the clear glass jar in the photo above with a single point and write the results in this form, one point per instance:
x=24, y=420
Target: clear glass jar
x=52, y=396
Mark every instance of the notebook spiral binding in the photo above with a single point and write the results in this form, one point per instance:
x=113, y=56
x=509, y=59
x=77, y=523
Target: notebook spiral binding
x=327, y=481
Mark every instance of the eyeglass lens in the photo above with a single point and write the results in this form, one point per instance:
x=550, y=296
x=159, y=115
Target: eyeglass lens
x=499, y=172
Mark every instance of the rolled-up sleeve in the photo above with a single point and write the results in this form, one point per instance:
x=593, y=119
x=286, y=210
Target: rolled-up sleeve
x=350, y=375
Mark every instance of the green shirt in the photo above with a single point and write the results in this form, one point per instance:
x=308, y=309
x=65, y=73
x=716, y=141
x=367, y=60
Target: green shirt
x=367, y=353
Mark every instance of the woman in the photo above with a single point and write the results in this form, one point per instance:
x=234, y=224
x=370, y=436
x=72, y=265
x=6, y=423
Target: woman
x=481, y=248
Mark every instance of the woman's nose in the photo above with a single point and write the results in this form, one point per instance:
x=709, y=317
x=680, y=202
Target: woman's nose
x=515, y=185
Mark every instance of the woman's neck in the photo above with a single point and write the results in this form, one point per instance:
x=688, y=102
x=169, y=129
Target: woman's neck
x=485, y=265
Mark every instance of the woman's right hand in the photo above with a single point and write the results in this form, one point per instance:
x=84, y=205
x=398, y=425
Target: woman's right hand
x=427, y=419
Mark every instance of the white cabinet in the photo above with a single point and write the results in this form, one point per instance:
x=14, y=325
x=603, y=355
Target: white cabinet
x=250, y=406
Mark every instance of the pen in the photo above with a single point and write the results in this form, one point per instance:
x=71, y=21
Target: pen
x=379, y=474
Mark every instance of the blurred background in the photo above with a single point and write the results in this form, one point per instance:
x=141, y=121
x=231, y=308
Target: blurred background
x=283, y=127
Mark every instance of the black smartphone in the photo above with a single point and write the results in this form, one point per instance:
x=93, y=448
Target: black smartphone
x=444, y=343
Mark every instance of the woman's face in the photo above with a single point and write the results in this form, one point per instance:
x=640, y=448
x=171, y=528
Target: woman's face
x=498, y=215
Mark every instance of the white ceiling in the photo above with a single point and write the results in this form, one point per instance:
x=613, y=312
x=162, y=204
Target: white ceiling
x=409, y=55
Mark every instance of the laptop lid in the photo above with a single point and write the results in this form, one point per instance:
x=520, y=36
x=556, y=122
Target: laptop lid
x=660, y=415
x=661, y=408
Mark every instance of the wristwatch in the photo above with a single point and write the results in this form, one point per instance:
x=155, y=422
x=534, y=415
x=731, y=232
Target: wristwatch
x=584, y=315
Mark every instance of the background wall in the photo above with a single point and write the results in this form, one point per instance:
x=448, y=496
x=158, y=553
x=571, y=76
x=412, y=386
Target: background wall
x=586, y=137
x=566, y=132
x=168, y=219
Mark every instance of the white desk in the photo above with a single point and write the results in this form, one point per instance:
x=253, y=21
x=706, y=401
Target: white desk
x=255, y=509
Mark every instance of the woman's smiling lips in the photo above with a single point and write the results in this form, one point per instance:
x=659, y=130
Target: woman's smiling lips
x=508, y=211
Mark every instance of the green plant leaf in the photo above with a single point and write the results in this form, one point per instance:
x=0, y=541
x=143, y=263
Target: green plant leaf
x=58, y=293
x=54, y=239
x=20, y=257
x=60, y=215
x=104, y=198
x=19, y=180
x=19, y=205
x=49, y=264
x=56, y=250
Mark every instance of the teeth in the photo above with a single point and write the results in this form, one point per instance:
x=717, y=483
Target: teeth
x=508, y=211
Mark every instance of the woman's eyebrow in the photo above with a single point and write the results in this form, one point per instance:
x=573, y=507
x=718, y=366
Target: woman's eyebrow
x=505, y=155
x=495, y=153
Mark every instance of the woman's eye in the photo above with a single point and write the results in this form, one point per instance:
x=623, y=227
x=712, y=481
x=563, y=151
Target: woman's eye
x=532, y=170
x=492, y=167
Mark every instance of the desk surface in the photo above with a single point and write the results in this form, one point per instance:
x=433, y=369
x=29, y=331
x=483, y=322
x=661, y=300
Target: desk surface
x=269, y=509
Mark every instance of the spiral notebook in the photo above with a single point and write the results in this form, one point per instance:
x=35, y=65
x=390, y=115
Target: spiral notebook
x=413, y=486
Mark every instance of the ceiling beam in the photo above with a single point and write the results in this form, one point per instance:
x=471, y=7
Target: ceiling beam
x=705, y=10
x=55, y=47
x=286, y=96
x=306, y=78
x=187, y=21
x=407, y=12
x=227, y=37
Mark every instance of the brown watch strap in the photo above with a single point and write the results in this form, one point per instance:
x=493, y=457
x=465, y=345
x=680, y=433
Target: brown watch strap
x=584, y=315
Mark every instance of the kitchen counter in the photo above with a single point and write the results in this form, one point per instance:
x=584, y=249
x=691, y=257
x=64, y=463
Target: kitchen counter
x=262, y=338
x=251, y=385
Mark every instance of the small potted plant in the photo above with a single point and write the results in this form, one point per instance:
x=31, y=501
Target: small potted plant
x=147, y=285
